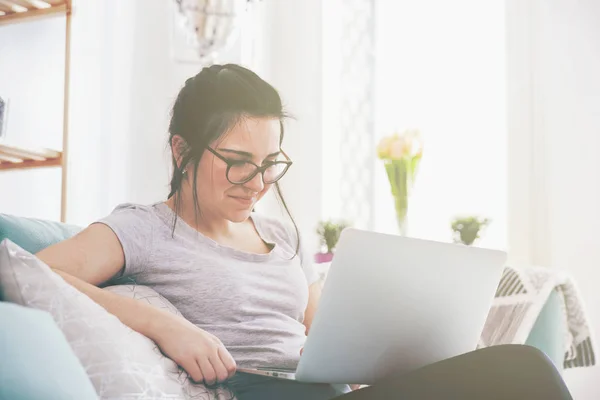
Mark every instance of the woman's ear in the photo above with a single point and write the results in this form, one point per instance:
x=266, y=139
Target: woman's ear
x=178, y=146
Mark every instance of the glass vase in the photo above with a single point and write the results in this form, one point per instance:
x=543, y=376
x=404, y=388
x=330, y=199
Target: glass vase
x=401, y=205
x=398, y=172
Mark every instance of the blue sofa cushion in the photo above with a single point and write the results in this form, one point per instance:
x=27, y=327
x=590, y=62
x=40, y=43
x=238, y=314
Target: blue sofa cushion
x=548, y=332
x=32, y=234
x=37, y=361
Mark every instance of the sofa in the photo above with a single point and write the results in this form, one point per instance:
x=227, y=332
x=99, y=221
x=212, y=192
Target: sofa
x=42, y=365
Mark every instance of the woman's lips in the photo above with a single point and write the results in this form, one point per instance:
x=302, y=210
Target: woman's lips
x=245, y=201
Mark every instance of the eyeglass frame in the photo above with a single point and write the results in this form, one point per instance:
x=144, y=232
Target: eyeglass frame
x=230, y=163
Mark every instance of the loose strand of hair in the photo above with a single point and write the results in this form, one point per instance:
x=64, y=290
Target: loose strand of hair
x=286, y=208
x=197, y=210
x=176, y=187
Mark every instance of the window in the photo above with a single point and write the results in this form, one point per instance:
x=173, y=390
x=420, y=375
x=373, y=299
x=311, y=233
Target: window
x=432, y=65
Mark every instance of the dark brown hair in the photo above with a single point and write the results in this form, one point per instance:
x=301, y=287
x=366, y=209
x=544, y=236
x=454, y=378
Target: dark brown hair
x=209, y=105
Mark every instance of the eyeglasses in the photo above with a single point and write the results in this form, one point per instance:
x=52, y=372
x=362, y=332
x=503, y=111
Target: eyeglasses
x=242, y=171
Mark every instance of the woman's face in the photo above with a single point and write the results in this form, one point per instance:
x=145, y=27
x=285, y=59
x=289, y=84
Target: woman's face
x=252, y=139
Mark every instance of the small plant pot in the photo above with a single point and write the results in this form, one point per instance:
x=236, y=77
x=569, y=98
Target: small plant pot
x=323, y=257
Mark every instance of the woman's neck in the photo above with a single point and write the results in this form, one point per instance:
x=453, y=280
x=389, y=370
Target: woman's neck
x=205, y=222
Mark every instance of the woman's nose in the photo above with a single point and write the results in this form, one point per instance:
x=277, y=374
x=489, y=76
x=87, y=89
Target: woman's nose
x=256, y=184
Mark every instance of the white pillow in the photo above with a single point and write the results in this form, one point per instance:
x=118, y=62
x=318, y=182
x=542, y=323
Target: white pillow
x=121, y=363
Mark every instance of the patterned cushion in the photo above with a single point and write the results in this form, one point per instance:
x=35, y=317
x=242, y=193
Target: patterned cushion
x=121, y=363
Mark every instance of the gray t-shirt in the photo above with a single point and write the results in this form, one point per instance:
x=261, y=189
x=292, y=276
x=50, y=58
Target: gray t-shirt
x=254, y=303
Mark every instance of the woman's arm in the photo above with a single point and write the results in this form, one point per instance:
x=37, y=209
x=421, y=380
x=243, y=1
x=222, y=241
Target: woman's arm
x=314, y=295
x=91, y=258
x=94, y=256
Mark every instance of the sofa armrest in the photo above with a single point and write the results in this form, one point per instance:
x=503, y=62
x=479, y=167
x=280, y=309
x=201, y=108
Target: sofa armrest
x=36, y=359
x=548, y=332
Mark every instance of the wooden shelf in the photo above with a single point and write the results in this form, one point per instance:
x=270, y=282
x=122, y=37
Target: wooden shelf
x=13, y=11
x=13, y=157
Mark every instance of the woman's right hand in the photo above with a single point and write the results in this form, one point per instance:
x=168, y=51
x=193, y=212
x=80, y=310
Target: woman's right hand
x=200, y=353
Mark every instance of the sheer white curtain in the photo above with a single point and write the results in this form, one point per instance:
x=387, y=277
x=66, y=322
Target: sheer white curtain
x=554, y=117
x=102, y=49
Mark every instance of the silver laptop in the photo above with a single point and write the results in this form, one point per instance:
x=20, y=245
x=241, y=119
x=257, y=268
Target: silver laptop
x=393, y=303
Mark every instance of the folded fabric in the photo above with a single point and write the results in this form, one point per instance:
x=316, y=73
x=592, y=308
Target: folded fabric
x=519, y=299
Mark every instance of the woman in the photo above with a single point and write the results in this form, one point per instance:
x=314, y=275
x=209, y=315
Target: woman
x=240, y=279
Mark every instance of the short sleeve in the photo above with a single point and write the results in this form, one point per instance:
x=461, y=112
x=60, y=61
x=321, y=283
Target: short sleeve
x=133, y=226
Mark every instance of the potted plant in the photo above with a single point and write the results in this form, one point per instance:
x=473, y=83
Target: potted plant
x=329, y=232
x=468, y=228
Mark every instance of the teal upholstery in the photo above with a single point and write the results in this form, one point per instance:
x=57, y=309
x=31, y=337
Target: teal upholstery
x=548, y=332
x=32, y=234
x=37, y=361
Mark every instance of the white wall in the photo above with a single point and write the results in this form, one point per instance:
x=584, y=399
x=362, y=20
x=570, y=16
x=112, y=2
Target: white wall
x=31, y=76
x=554, y=145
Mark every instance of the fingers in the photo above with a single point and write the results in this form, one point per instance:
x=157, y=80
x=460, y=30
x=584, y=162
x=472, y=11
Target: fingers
x=228, y=362
x=210, y=370
x=219, y=367
x=215, y=339
x=193, y=370
x=210, y=376
x=301, y=350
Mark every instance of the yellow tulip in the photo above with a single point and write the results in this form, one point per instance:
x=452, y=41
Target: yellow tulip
x=397, y=146
x=416, y=143
x=398, y=149
x=383, y=148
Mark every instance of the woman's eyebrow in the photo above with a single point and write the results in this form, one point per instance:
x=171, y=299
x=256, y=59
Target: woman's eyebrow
x=246, y=154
